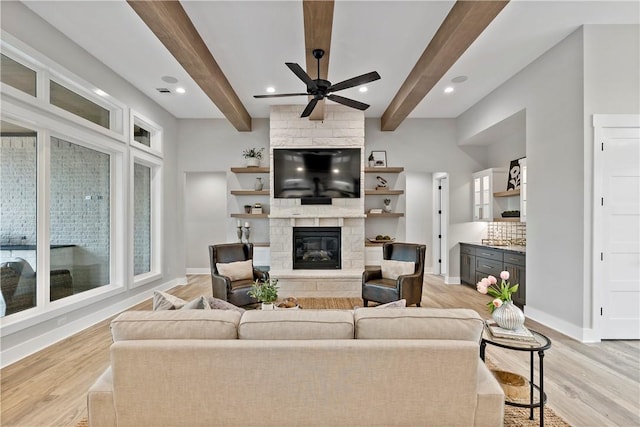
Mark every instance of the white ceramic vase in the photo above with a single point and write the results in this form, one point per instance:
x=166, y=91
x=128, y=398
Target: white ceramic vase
x=508, y=316
x=252, y=162
x=267, y=306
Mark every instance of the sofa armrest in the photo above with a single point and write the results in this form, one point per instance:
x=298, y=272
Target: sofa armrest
x=100, y=406
x=490, y=404
x=220, y=285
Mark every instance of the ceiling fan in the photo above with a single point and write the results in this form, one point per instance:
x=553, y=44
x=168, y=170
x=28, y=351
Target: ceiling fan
x=321, y=89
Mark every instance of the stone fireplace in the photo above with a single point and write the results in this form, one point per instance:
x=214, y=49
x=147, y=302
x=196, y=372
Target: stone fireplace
x=343, y=127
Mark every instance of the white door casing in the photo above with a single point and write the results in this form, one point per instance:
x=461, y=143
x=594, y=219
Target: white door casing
x=617, y=226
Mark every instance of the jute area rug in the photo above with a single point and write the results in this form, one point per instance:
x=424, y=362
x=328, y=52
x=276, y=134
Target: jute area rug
x=513, y=417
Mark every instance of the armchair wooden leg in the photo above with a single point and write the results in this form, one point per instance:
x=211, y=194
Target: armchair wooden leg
x=366, y=302
x=417, y=304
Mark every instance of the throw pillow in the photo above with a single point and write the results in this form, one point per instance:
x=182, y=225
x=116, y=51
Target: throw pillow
x=165, y=301
x=219, y=304
x=238, y=270
x=393, y=304
x=199, y=303
x=391, y=269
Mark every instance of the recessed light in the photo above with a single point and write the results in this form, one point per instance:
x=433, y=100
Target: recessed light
x=363, y=89
x=169, y=79
x=180, y=90
x=459, y=79
x=448, y=89
x=271, y=89
x=100, y=92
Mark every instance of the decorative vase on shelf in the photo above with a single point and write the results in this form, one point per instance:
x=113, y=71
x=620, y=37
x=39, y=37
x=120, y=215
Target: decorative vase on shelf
x=386, y=206
x=508, y=316
x=258, y=184
x=239, y=231
x=252, y=162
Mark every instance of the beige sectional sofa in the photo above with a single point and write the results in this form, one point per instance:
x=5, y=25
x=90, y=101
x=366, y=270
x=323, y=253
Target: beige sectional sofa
x=364, y=367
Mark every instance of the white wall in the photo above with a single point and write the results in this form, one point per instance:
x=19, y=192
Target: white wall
x=204, y=214
x=559, y=100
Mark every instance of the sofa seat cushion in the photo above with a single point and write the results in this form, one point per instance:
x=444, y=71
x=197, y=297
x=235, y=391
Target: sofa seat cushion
x=296, y=325
x=175, y=324
x=418, y=323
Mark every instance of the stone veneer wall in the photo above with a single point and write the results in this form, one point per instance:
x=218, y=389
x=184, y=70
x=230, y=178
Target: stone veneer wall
x=342, y=127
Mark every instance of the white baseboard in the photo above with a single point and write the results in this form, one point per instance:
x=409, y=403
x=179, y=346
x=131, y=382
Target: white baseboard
x=26, y=348
x=452, y=280
x=560, y=325
x=198, y=271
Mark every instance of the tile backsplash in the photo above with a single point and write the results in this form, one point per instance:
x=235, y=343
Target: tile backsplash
x=515, y=232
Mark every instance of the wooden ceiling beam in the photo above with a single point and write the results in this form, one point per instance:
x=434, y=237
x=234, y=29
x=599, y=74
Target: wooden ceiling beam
x=170, y=23
x=318, y=23
x=464, y=23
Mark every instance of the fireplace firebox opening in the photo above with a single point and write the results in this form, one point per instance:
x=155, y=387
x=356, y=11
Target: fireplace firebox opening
x=317, y=248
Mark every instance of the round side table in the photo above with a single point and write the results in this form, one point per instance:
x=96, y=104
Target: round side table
x=542, y=343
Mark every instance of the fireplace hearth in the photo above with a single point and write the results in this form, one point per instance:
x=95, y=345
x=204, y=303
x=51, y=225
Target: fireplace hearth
x=316, y=248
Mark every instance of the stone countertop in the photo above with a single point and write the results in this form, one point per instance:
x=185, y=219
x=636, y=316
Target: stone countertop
x=509, y=248
x=30, y=247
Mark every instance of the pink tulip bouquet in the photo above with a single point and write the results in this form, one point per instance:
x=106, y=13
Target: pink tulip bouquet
x=500, y=293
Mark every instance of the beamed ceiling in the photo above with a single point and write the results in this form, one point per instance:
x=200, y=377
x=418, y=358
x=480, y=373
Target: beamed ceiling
x=224, y=52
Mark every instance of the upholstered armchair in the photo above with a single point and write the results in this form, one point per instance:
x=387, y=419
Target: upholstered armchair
x=400, y=275
x=18, y=285
x=231, y=274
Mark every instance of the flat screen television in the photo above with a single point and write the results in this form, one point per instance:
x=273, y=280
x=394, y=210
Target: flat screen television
x=319, y=174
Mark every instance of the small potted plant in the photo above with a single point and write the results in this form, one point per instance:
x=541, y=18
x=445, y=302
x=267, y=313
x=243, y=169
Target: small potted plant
x=253, y=156
x=265, y=291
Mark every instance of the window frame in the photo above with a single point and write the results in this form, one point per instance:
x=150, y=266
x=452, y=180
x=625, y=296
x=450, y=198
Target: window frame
x=156, y=166
x=156, y=131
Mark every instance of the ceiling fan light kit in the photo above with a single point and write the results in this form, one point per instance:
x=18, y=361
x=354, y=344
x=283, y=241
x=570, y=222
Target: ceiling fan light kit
x=320, y=88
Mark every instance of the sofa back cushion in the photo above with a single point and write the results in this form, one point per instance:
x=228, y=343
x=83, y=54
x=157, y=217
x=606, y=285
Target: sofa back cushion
x=418, y=323
x=295, y=382
x=171, y=324
x=293, y=324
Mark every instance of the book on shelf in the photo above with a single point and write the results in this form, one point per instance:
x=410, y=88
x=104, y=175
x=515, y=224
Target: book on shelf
x=522, y=334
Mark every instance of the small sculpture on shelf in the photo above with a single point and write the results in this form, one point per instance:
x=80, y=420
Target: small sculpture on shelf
x=382, y=183
x=387, y=205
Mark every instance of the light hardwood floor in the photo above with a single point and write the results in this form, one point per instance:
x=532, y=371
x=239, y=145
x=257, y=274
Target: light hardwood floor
x=587, y=384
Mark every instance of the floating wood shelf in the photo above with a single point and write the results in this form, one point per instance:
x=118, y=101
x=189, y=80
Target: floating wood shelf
x=383, y=170
x=250, y=192
x=509, y=193
x=264, y=169
x=383, y=192
x=245, y=215
x=385, y=215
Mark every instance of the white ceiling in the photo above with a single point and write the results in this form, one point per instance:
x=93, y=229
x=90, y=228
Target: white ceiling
x=251, y=41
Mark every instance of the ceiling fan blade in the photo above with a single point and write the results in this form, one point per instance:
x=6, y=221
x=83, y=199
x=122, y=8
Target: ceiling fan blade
x=348, y=102
x=355, y=81
x=280, y=95
x=310, y=106
x=302, y=75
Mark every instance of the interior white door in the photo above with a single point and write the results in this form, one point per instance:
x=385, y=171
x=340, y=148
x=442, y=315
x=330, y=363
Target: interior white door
x=621, y=234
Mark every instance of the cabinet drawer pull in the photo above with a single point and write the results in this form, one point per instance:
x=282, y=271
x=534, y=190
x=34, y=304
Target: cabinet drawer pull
x=487, y=266
x=486, y=254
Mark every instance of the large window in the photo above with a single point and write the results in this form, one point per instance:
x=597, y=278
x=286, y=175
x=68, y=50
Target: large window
x=80, y=215
x=18, y=214
x=141, y=219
